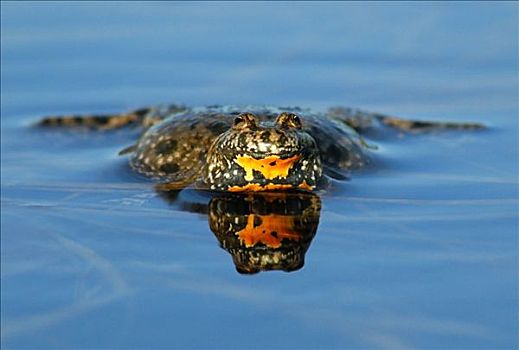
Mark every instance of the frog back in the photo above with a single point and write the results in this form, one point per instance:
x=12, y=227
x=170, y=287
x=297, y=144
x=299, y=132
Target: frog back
x=175, y=149
x=340, y=146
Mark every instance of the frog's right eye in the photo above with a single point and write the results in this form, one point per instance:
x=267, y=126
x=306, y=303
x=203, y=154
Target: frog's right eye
x=238, y=120
x=245, y=120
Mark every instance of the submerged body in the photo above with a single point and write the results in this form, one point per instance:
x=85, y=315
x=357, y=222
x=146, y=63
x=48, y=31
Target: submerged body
x=247, y=149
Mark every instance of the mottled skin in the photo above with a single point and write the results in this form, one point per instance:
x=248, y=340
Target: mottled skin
x=175, y=150
x=247, y=149
x=219, y=148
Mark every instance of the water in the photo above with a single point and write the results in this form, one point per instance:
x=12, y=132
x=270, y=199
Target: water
x=419, y=251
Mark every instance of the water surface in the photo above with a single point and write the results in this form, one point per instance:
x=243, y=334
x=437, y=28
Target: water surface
x=418, y=251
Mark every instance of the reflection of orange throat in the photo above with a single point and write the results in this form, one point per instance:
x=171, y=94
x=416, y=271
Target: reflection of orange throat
x=270, y=230
x=270, y=167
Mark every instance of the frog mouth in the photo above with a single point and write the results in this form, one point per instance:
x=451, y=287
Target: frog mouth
x=282, y=153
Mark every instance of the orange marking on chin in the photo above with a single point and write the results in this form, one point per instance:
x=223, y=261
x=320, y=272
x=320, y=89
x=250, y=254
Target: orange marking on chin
x=270, y=167
x=271, y=232
x=252, y=187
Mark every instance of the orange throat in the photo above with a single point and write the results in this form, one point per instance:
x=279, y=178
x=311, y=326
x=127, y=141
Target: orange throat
x=270, y=167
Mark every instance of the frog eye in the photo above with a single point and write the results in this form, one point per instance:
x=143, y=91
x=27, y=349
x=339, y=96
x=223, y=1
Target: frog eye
x=245, y=120
x=296, y=120
x=238, y=120
x=289, y=120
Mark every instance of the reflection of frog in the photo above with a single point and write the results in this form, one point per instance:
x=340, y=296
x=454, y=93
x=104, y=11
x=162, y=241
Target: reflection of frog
x=246, y=149
x=261, y=230
x=265, y=231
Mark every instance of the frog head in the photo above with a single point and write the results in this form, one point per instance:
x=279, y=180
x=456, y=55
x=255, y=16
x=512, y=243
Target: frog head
x=253, y=157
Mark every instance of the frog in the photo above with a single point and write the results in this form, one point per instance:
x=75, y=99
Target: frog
x=248, y=148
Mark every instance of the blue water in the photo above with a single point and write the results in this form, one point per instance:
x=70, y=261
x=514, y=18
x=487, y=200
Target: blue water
x=418, y=251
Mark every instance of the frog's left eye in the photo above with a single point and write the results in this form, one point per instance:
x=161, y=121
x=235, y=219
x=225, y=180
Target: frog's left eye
x=289, y=120
x=245, y=120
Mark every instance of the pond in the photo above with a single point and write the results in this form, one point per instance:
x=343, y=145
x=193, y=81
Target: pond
x=418, y=250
